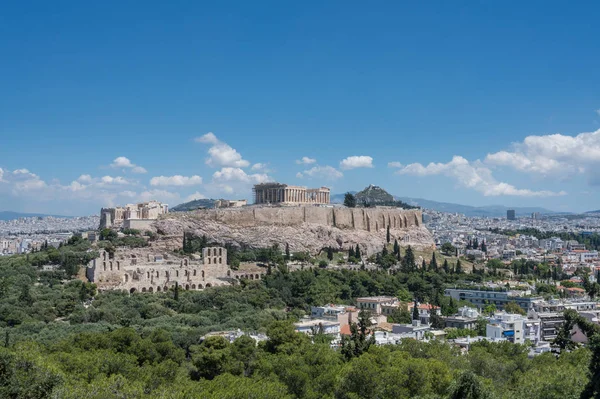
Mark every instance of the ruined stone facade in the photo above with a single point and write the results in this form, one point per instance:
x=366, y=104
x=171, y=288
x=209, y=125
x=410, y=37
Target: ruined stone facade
x=368, y=219
x=137, y=272
x=277, y=193
x=132, y=215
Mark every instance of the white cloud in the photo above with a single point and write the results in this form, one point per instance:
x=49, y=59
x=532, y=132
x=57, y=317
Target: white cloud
x=195, y=196
x=84, y=179
x=209, y=138
x=114, y=180
x=125, y=163
x=221, y=154
x=598, y=111
x=158, y=195
x=394, y=164
x=325, y=172
x=260, y=167
x=353, y=162
x=554, y=155
x=238, y=175
x=305, y=161
x=1, y=174
x=176, y=180
x=473, y=175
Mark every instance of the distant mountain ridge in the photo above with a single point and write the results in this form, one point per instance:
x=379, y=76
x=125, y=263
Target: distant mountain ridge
x=10, y=215
x=204, y=203
x=467, y=210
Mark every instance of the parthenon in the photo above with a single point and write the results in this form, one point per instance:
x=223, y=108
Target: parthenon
x=277, y=193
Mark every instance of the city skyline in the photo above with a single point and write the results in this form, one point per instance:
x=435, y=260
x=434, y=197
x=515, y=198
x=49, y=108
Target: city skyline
x=471, y=105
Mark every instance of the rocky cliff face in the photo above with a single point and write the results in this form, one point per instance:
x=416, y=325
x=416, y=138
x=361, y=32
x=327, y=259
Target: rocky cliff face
x=303, y=228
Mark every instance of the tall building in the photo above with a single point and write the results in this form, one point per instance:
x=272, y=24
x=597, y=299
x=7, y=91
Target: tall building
x=510, y=214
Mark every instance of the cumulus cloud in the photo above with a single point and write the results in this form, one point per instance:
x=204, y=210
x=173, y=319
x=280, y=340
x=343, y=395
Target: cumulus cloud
x=1, y=174
x=554, y=155
x=85, y=179
x=394, y=164
x=221, y=154
x=125, y=163
x=108, y=180
x=305, y=161
x=473, y=175
x=176, y=180
x=260, y=167
x=353, y=162
x=238, y=175
x=194, y=196
x=324, y=172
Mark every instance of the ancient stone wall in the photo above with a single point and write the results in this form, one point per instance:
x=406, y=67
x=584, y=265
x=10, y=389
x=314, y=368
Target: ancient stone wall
x=368, y=219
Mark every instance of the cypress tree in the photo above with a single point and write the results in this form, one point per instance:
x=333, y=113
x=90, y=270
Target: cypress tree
x=415, y=315
x=351, y=253
x=483, y=246
x=459, y=269
x=329, y=253
x=287, y=251
x=357, y=253
x=384, y=251
x=433, y=264
x=446, y=267
x=424, y=265
x=176, y=292
x=387, y=235
x=396, y=248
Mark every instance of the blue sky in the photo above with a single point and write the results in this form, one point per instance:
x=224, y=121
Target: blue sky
x=473, y=102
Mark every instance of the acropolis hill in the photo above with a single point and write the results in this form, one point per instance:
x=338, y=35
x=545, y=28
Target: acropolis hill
x=304, y=228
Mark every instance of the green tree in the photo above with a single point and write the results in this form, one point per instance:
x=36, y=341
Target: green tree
x=459, y=269
x=433, y=264
x=357, y=253
x=360, y=339
x=396, y=247
x=388, y=237
x=468, y=386
x=447, y=248
x=349, y=200
x=446, y=266
x=408, y=261
x=415, y=313
x=512, y=307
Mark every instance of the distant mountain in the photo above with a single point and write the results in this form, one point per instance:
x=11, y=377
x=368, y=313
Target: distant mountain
x=9, y=215
x=596, y=211
x=467, y=210
x=374, y=195
x=193, y=205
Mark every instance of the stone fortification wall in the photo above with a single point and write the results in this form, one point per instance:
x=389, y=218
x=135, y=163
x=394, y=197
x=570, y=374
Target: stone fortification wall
x=367, y=219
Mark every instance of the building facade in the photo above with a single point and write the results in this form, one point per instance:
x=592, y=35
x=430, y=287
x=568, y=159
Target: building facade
x=277, y=193
x=133, y=272
x=131, y=215
x=482, y=298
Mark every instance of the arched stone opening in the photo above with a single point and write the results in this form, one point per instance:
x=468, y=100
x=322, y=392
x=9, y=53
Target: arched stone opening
x=208, y=285
x=131, y=291
x=257, y=277
x=193, y=286
x=199, y=286
x=187, y=287
x=143, y=289
x=150, y=289
x=158, y=289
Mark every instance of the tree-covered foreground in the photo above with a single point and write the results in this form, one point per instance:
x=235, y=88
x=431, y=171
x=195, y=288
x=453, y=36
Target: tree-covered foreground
x=59, y=338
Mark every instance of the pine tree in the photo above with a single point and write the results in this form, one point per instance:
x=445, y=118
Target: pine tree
x=459, y=269
x=446, y=267
x=387, y=236
x=433, y=264
x=396, y=248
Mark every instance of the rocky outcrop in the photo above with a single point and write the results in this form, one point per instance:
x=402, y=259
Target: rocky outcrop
x=302, y=228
